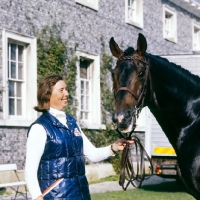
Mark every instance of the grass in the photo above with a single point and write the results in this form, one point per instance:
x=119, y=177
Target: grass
x=109, y=178
x=162, y=191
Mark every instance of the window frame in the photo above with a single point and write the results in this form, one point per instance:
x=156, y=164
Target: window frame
x=29, y=86
x=173, y=21
x=197, y=26
x=94, y=6
x=94, y=119
x=138, y=22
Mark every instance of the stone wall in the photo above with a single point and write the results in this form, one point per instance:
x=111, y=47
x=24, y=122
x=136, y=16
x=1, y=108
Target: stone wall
x=89, y=28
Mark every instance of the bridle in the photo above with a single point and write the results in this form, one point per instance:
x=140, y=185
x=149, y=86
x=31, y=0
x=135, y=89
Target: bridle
x=141, y=97
x=127, y=168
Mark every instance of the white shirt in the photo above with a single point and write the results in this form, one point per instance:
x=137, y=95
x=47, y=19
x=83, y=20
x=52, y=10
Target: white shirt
x=35, y=148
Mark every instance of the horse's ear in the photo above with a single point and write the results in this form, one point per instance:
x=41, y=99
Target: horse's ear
x=141, y=44
x=114, y=48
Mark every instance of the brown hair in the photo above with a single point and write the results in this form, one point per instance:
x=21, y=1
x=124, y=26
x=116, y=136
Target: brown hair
x=44, y=92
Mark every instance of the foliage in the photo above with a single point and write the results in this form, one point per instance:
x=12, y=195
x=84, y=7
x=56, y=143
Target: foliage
x=54, y=57
x=107, y=100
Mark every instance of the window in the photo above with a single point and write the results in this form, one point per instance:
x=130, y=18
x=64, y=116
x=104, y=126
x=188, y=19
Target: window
x=169, y=25
x=15, y=78
x=196, y=37
x=134, y=12
x=88, y=91
x=19, y=79
x=85, y=87
x=94, y=4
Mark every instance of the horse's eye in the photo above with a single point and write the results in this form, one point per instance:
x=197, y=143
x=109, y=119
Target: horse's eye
x=141, y=74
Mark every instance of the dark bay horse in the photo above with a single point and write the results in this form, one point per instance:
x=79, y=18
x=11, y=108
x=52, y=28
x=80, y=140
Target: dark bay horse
x=172, y=95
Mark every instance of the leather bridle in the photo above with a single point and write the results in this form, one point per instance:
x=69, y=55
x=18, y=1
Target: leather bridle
x=139, y=98
x=127, y=169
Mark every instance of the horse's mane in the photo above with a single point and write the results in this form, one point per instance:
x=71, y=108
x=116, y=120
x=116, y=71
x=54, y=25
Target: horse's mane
x=179, y=69
x=186, y=73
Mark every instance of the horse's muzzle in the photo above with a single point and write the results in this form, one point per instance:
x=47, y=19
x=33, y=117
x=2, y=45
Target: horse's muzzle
x=124, y=124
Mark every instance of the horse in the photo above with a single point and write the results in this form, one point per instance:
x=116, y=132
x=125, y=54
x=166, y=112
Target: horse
x=171, y=93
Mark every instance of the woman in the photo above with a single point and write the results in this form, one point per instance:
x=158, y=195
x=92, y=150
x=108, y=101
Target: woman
x=56, y=147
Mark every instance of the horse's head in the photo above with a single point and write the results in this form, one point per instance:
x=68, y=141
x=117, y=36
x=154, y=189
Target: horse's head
x=129, y=83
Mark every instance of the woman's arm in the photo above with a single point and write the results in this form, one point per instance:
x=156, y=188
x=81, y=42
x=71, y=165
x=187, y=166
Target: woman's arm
x=34, y=150
x=98, y=154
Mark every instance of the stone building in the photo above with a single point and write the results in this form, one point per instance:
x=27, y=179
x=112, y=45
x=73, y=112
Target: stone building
x=171, y=27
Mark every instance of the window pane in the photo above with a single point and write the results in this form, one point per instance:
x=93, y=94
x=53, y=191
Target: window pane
x=8, y=51
x=11, y=107
x=87, y=88
x=86, y=115
x=82, y=102
x=8, y=69
x=19, y=89
x=13, y=70
x=11, y=89
x=19, y=107
x=20, y=53
x=20, y=71
x=87, y=101
x=13, y=51
x=82, y=87
x=84, y=64
x=83, y=73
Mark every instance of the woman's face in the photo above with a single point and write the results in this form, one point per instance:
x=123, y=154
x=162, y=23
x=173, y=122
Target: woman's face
x=59, y=96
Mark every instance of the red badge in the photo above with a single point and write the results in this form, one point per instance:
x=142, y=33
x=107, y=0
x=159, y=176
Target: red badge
x=76, y=132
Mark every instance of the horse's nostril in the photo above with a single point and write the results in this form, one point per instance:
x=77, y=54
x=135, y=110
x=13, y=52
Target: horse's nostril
x=114, y=117
x=128, y=113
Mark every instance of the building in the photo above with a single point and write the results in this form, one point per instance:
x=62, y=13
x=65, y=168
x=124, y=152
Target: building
x=171, y=27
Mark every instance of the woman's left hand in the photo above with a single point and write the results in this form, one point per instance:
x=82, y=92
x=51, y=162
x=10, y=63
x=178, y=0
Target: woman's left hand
x=120, y=144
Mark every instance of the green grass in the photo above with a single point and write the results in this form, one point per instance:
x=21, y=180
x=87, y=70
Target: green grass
x=162, y=191
x=109, y=178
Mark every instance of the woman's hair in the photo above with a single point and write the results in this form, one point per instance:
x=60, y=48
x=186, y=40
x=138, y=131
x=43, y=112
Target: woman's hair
x=44, y=92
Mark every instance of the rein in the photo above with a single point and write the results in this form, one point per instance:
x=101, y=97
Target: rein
x=128, y=174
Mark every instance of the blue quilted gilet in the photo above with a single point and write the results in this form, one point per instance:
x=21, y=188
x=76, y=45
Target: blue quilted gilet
x=62, y=158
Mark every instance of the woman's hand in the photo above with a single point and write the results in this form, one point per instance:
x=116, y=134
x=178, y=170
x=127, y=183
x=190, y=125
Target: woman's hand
x=39, y=198
x=120, y=144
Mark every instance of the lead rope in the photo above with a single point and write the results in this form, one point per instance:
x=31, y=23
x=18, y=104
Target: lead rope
x=130, y=172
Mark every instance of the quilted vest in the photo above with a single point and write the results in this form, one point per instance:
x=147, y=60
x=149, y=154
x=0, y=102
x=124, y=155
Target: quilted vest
x=62, y=158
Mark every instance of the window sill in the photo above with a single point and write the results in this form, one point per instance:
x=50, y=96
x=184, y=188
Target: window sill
x=174, y=40
x=18, y=123
x=89, y=5
x=196, y=51
x=136, y=24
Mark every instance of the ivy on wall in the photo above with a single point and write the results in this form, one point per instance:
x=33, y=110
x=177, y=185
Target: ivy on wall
x=54, y=57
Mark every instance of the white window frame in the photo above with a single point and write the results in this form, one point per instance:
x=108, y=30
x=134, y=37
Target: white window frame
x=29, y=86
x=195, y=37
x=94, y=4
x=138, y=21
x=94, y=115
x=172, y=24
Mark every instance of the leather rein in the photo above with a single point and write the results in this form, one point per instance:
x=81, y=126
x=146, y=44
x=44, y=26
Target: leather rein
x=127, y=173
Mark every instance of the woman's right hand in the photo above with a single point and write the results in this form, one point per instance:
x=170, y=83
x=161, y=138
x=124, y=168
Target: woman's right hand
x=39, y=198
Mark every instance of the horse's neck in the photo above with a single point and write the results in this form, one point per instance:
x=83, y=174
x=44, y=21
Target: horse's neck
x=171, y=91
